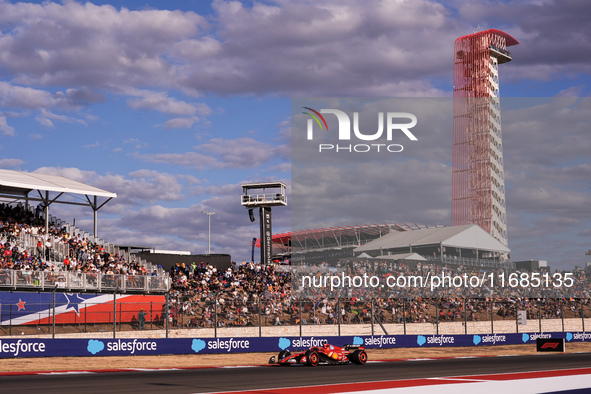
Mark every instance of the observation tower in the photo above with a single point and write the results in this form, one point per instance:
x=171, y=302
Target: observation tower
x=478, y=180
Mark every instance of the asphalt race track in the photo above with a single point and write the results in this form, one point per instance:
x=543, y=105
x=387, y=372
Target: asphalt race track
x=249, y=378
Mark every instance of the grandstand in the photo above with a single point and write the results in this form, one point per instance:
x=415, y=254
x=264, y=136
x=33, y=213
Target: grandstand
x=467, y=244
x=333, y=243
x=42, y=252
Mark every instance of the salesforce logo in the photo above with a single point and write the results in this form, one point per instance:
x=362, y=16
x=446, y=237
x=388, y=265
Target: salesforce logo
x=95, y=346
x=284, y=343
x=198, y=345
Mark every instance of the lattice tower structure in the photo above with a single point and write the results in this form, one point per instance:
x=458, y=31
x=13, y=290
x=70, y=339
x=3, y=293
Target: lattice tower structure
x=478, y=181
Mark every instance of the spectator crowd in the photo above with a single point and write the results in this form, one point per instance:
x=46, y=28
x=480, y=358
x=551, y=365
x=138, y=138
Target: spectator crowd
x=81, y=254
x=244, y=294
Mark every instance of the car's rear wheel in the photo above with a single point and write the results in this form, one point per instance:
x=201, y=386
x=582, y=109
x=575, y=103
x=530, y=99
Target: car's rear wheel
x=312, y=358
x=358, y=357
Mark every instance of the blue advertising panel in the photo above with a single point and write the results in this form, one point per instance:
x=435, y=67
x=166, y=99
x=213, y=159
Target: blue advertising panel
x=39, y=347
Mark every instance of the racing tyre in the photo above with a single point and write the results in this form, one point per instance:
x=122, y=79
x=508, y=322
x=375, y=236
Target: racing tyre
x=358, y=357
x=312, y=358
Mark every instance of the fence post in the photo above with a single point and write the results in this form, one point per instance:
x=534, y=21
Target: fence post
x=492, y=323
x=166, y=310
x=562, y=315
x=583, y=316
x=300, y=311
x=10, y=321
x=465, y=319
x=437, y=317
x=114, y=313
x=516, y=320
x=540, y=316
x=260, y=317
x=53, y=320
x=404, y=314
x=215, y=315
x=338, y=314
x=372, y=311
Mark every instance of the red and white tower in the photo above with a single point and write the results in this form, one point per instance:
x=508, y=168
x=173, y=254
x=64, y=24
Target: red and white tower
x=478, y=181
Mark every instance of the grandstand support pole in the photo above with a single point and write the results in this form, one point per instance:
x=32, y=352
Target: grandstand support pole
x=516, y=320
x=492, y=324
x=53, y=320
x=372, y=317
x=583, y=316
x=260, y=317
x=95, y=218
x=338, y=315
x=115, y=313
x=465, y=319
x=46, y=203
x=300, y=312
x=166, y=311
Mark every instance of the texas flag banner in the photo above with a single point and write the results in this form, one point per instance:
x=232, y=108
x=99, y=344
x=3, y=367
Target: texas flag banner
x=24, y=308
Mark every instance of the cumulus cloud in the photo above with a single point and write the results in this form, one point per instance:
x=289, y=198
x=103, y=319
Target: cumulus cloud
x=104, y=48
x=179, y=123
x=219, y=153
x=5, y=128
x=8, y=163
x=552, y=34
x=138, y=188
x=159, y=101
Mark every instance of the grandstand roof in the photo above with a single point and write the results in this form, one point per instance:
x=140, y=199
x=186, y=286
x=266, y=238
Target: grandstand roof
x=469, y=236
x=338, y=236
x=20, y=183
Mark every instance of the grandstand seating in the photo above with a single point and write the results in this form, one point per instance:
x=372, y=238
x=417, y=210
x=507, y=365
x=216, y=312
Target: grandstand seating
x=67, y=258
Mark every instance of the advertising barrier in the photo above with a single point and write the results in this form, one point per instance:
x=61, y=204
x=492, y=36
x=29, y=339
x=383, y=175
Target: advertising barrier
x=13, y=348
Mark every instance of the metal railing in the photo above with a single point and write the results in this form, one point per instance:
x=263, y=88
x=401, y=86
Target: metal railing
x=222, y=311
x=72, y=280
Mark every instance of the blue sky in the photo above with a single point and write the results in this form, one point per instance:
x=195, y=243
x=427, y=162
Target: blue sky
x=172, y=105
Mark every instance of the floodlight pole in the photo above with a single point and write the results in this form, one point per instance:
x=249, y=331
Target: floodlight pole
x=209, y=215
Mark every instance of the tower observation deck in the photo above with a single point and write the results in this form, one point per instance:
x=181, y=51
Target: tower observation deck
x=478, y=180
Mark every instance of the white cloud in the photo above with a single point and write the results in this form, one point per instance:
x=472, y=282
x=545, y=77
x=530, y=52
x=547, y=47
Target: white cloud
x=7, y=163
x=179, y=123
x=159, y=101
x=5, y=128
x=219, y=153
x=46, y=118
x=25, y=97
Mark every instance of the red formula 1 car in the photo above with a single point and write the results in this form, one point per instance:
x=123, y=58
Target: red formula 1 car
x=326, y=354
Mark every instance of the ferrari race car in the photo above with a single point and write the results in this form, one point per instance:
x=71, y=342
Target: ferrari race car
x=326, y=354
